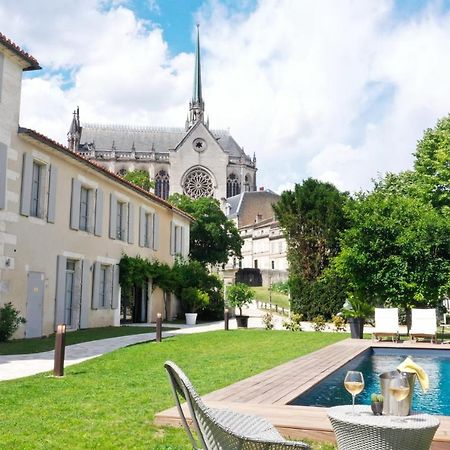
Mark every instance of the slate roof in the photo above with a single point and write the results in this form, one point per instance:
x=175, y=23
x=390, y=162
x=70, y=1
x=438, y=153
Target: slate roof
x=36, y=136
x=10, y=45
x=248, y=205
x=145, y=139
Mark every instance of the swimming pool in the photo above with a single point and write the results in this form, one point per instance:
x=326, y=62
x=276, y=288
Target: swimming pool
x=373, y=362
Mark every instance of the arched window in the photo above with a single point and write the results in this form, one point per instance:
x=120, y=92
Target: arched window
x=198, y=183
x=162, y=184
x=247, y=181
x=233, y=187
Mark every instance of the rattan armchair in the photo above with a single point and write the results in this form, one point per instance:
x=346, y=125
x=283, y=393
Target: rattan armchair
x=222, y=429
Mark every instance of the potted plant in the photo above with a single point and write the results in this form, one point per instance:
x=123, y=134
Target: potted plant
x=193, y=300
x=239, y=295
x=355, y=311
x=376, y=403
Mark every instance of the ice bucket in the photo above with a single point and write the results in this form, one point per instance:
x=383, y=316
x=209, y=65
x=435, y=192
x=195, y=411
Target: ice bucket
x=391, y=406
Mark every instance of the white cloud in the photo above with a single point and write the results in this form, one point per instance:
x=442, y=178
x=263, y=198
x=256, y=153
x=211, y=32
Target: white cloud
x=340, y=91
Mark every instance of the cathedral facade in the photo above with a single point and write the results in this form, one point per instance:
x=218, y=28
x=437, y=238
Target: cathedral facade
x=193, y=160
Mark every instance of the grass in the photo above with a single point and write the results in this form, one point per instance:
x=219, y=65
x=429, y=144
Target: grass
x=263, y=295
x=110, y=402
x=23, y=346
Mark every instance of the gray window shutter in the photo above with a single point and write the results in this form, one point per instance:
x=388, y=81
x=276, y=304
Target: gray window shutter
x=112, y=216
x=27, y=174
x=75, y=205
x=98, y=229
x=172, y=238
x=51, y=210
x=96, y=286
x=60, y=289
x=3, y=169
x=85, y=278
x=115, y=288
x=141, y=227
x=155, y=232
x=130, y=223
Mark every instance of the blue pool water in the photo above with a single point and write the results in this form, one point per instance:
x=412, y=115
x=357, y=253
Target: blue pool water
x=436, y=363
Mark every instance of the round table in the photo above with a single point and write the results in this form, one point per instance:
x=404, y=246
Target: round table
x=364, y=431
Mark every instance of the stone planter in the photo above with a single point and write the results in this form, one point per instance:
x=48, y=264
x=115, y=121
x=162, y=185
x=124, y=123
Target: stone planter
x=356, y=327
x=191, y=318
x=242, y=321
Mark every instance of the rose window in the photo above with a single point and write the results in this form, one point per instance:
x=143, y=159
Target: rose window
x=198, y=183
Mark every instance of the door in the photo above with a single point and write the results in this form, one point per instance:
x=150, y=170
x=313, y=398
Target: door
x=140, y=304
x=35, y=300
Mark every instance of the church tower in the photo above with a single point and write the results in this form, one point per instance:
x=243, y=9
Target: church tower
x=196, y=105
x=74, y=134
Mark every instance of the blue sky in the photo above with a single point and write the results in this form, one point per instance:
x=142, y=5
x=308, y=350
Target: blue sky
x=337, y=90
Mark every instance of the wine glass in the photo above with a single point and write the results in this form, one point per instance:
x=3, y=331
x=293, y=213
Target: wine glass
x=354, y=383
x=399, y=387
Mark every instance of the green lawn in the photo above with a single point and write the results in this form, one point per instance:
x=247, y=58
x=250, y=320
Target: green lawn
x=263, y=295
x=109, y=402
x=22, y=346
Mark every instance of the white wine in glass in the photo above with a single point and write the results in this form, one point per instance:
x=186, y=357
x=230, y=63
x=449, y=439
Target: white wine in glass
x=399, y=388
x=354, y=383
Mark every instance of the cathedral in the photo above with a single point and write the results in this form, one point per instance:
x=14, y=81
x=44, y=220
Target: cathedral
x=195, y=160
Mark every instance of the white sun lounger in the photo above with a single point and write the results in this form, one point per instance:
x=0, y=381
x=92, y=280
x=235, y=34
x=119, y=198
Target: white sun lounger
x=386, y=323
x=423, y=324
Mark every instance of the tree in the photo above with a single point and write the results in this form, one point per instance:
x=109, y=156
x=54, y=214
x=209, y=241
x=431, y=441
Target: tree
x=397, y=250
x=312, y=217
x=239, y=295
x=432, y=164
x=213, y=238
x=141, y=178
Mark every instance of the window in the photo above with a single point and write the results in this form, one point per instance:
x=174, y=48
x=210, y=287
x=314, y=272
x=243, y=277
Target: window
x=273, y=265
x=256, y=263
x=84, y=208
x=247, y=183
x=162, y=184
x=177, y=237
x=69, y=292
x=198, y=183
x=37, y=186
x=121, y=218
x=233, y=187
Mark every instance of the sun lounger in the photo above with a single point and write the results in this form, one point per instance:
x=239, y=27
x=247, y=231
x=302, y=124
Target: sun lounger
x=386, y=323
x=423, y=324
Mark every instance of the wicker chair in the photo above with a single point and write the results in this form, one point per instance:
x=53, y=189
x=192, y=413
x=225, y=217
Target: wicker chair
x=221, y=429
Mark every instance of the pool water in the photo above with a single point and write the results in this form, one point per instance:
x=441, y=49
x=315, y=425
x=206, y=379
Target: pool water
x=436, y=363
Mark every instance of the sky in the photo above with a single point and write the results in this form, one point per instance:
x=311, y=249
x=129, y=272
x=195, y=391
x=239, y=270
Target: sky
x=336, y=90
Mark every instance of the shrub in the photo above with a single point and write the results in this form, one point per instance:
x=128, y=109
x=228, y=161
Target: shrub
x=293, y=323
x=281, y=286
x=319, y=323
x=10, y=319
x=267, y=320
x=324, y=296
x=194, y=299
x=339, y=323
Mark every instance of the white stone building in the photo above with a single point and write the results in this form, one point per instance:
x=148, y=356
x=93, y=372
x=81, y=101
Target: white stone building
x=264, y=245
x=65, y=223
x=194, y=160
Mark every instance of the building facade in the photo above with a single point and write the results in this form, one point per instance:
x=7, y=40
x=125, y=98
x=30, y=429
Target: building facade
x=264, y=246
x=66, y=222
x=194, y=160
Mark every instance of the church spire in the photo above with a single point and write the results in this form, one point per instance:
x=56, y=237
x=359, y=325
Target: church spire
x=197, y=105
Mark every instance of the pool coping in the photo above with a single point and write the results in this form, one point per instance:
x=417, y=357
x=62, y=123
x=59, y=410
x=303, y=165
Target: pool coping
x=267, y=393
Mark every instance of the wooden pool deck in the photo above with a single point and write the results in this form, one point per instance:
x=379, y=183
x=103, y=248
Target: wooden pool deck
x=268, y=393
